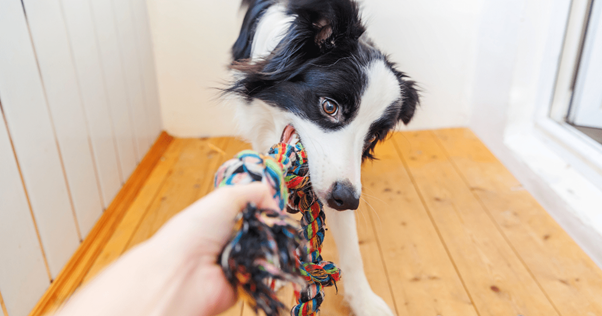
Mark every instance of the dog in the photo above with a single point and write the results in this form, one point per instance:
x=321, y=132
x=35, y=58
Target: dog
x=309, y=64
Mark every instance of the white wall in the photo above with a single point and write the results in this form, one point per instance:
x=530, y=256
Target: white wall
x=519, y=49
x=78, y=111
x=433, y=41
x=192, y=42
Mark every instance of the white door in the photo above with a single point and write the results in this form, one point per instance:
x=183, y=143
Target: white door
x=586, y=109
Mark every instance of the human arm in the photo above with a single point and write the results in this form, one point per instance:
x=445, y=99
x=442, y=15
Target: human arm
x=175, y=271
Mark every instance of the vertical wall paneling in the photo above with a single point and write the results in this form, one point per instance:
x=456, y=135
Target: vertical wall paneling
x=80, y=29
x=79, y=110
x=34, y=139
x=127, y=41
x=115, y=82
x=23, y=276
x=59, y=79
x=145, y=51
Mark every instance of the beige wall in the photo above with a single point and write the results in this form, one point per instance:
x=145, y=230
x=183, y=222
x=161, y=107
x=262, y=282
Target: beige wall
x=432, y=40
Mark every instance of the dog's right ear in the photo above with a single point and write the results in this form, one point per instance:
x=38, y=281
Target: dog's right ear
x=320, y=26
x=329, y=23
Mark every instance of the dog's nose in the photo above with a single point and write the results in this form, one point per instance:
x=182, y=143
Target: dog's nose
x=342, y=197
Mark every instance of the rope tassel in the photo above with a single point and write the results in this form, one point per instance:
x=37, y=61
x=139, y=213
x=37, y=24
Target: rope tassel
x=266, y=244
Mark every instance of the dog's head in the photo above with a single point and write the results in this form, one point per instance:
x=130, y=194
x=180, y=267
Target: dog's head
x=339, y=92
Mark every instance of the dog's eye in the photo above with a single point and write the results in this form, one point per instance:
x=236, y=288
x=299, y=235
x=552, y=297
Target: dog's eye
x=329, y=107
x=373, y=138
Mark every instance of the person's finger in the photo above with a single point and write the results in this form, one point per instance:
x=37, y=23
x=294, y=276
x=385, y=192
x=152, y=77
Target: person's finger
x=257, y=193
x=213, y=215
x=226, y=202
x=235, y=198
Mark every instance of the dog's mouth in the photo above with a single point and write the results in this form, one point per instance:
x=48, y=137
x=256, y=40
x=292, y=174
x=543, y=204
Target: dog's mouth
x=289, y=135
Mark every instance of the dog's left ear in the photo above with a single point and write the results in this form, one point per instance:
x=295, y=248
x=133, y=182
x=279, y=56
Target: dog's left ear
x=410, y=95
x=411, y=99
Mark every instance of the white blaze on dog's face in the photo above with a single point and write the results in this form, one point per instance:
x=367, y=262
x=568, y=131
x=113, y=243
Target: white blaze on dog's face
x=335, y=156
x=308, y=64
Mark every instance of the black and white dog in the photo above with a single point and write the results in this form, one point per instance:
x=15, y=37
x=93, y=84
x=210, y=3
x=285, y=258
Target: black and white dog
x=309, y=65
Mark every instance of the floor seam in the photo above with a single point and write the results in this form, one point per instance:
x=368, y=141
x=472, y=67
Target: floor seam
x=403, y=161
x=486, y=209
x=382, y=259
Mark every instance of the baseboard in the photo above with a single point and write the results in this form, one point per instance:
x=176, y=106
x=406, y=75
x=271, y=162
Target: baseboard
x=76, y=269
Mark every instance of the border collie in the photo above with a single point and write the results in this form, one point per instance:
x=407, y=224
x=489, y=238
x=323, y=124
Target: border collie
x=309, y=65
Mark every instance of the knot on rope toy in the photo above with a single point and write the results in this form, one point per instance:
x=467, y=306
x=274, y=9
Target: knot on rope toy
x=265, y=245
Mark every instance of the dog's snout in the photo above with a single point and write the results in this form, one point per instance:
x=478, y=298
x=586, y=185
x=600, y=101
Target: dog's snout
x=342, y=197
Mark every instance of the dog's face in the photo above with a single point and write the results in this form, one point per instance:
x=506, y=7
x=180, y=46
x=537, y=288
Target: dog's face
x=335, y=88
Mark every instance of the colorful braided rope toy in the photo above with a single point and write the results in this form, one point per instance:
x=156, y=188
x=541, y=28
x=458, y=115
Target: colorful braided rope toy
x=265, y=245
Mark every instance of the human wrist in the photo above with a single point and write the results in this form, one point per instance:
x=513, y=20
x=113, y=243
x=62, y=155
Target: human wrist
x=193, y=283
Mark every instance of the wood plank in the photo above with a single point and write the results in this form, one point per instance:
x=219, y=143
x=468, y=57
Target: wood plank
x=2, y=306
x=35, y=144
x=112, y=65
x=211, y=155
x=373, y=266
x=285, y=295
x=61, y=86
x=569, y=277
x=423, y=278
x=23, y=273
x=128, y=225
x=496, y=279
x=82, y=35
x=135, y=90
x=235, y=310
x=75, y=270
x=189, y=181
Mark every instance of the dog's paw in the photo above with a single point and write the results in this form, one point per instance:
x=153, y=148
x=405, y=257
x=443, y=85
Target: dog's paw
x=368, y=304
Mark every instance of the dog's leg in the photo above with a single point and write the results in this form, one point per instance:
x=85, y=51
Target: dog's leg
x=358, y=294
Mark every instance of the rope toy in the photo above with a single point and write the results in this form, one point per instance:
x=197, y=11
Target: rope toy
x=265, y=245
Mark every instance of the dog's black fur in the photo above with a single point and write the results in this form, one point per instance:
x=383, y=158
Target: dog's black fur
x=321, y=55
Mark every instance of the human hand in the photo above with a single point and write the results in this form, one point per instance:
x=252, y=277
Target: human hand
x=175, y=272
x=198, y=234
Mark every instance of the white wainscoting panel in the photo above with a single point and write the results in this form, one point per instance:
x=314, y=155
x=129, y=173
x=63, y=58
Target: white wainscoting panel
x=133, y=74
x=23, y=275
x=142, y=27
x=34, y=139
x=79, y=110
x=60, y=82
x=112, y=63
x=80, y=27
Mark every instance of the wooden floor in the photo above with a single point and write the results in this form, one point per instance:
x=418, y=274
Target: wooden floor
x=444, y=230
